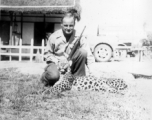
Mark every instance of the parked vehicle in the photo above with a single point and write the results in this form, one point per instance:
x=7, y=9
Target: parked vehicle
x=106, y=47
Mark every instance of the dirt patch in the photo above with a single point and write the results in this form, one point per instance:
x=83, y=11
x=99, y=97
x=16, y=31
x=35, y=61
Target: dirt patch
x=124, y=66
x=25, y=67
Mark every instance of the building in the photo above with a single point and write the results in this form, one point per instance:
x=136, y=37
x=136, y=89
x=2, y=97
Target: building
x=35, y=20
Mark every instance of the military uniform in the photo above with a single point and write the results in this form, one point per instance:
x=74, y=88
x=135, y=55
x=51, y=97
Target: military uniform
x=54, y=52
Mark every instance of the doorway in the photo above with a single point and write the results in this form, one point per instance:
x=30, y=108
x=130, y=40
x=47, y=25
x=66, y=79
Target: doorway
x=5, y=32
x=41, y=31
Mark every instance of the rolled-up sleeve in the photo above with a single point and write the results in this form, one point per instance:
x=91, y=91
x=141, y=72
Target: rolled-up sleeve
x=49, y=51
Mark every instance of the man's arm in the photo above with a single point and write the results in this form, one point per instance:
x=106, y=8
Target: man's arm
x=49, y=51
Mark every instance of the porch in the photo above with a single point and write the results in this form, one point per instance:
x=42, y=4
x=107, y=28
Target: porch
x=24, y=36
x=22, y=52
x=25, y=28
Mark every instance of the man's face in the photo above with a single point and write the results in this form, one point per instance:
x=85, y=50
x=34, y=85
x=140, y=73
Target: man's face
x=68, y=25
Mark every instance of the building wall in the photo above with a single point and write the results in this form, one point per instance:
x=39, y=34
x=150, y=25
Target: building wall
x=28, y=33
x=57, y=26
x=4, y=32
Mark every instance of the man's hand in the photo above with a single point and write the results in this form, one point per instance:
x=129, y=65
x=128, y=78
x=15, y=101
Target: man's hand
x=64, y=64
x=51, y=59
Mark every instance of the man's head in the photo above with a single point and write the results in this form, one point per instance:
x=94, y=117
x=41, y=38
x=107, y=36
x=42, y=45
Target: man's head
x=68, y=23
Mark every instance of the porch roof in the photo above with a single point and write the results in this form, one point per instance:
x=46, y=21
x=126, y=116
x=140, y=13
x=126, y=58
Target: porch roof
x=40, y=6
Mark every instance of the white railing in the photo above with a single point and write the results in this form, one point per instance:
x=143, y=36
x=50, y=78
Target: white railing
x=20, y=54
x=123, y=50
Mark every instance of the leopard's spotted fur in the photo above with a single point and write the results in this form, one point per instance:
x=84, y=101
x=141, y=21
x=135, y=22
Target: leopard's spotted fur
x=88, y=82
x=93, y=83
x=65, y=84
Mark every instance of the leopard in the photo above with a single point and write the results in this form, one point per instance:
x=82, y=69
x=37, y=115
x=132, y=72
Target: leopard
x=89, y=82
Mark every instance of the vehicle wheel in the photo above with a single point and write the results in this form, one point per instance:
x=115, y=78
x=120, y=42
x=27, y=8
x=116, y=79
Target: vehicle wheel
x=102, y=53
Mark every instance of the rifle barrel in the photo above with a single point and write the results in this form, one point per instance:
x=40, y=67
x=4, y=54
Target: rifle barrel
x=76, y=45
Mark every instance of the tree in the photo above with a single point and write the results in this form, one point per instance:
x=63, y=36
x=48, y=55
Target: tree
x=149, y=36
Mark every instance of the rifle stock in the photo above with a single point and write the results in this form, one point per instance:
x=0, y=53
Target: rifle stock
x=76, y=45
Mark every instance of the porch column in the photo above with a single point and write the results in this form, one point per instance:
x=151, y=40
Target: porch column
x=21, y=24
x=44, y=20
x=11, y=28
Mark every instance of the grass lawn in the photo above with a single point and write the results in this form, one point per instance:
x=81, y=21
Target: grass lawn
x=21, y=98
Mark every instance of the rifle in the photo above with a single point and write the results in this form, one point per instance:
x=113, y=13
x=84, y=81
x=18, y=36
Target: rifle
x=75, y=46
x=69, y=57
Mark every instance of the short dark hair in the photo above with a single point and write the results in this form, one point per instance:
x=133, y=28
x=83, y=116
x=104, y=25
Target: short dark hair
x=69, y=15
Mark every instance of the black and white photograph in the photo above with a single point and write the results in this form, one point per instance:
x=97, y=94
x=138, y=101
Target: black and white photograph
x=75, y=60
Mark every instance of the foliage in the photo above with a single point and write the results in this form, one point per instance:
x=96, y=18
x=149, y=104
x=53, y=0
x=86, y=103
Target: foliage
x=146, y=42
x=149, y=36
x=21, y=98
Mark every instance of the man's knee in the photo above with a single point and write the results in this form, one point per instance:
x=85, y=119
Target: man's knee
x=51, y=75
x=82, y=52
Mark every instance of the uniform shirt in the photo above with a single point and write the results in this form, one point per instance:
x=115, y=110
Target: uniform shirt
x=57, y=43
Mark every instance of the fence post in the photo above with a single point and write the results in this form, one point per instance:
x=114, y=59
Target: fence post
x=0, y=48
x=42, y=50
x=10, y=57
x=20, y=50
x=140, y=55
x=31, y=50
